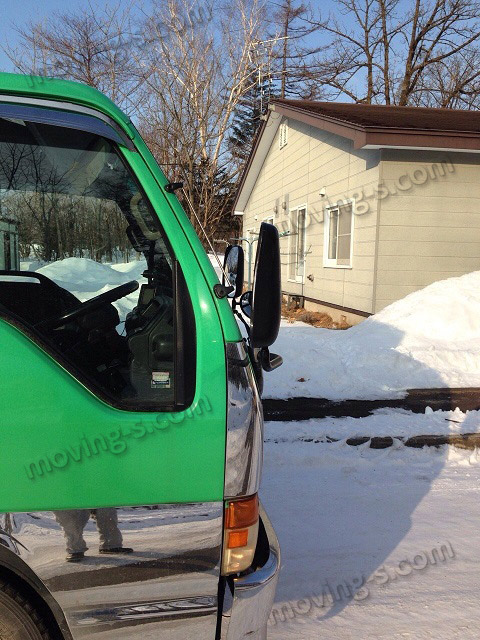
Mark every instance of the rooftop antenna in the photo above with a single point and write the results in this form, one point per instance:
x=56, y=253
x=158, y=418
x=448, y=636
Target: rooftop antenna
x=261, y=55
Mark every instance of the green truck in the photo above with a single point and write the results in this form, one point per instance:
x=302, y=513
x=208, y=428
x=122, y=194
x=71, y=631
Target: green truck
x=131, y=422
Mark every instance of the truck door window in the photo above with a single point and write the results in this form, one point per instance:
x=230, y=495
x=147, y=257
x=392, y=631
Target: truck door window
x=98, y=285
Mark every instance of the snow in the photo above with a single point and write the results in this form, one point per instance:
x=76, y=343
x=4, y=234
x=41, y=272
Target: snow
x=86, y=278
x=430, y=338
x=89, y=278
x=215, y=265
x=378, y=544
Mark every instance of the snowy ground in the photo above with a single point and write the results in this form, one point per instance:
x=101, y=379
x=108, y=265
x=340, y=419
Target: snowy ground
x=430, y=338
x=376, y=544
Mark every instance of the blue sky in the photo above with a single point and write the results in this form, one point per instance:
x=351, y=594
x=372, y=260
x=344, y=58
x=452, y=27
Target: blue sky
x=20, y=13
x=23, y=11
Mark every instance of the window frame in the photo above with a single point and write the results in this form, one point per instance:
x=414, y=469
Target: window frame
x=331, y=263
x=298, y=278
x=64, y=115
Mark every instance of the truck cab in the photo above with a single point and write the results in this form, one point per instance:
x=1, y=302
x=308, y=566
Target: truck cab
x=131, y=424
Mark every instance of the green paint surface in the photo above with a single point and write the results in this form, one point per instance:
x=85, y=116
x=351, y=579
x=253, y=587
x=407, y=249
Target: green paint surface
x=53, y=430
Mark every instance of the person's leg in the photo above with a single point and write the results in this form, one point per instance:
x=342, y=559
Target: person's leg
x=107, y=525
x=73, y=522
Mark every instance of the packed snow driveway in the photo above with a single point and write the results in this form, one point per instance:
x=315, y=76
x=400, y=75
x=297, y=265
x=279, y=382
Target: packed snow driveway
x=376, y=545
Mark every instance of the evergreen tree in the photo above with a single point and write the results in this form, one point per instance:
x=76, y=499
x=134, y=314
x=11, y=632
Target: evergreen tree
x=292, y=21
x=247, y=119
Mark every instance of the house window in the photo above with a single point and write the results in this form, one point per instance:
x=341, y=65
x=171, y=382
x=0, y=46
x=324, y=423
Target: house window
x=338, y=235
x=297, y=244
x=283, y=135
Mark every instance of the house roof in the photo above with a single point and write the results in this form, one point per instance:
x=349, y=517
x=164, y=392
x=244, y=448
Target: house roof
x=390, y=116
x=369, y=127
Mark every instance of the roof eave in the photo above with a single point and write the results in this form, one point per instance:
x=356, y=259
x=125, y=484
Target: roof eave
x=327, y=123
x=402, y=138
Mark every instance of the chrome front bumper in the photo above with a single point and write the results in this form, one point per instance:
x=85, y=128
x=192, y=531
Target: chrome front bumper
x=245, y=613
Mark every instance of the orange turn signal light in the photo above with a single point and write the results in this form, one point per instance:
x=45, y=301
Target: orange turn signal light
x=242, y=513
x=237, y=539
x=240, y=534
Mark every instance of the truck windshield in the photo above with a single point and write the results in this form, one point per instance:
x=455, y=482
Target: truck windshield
x=85, y=264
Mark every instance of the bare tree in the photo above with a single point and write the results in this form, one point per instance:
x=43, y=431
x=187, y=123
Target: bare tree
x=92, y=46
x=181, y=70
x=452, y=85
x=197, y=70
x=292, y=25
x=416, y=53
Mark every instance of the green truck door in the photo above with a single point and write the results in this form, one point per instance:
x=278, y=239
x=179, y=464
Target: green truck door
x=112, y=408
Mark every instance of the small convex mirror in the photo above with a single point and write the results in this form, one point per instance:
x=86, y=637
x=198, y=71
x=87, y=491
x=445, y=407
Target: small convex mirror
x=233, y=265
x=246, y=303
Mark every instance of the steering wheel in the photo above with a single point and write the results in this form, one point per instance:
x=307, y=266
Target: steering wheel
x=89, y=305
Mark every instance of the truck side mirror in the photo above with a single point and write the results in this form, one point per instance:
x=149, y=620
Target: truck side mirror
x=233, y=265
x=267, y=293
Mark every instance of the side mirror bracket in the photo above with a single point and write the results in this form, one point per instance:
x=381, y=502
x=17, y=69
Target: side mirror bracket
x=269, y=361
x=222, y=291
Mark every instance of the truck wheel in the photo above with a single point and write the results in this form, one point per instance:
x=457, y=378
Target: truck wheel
x=19, y=620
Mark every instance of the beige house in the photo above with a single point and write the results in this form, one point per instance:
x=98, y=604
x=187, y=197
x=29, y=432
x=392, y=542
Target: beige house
x=373, y=202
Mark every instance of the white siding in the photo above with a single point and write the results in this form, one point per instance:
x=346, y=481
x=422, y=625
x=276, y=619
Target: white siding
x=311, y=160
x=429, y=228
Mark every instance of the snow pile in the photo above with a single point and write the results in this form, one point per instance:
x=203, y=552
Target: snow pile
x=86, y=278
x=430, y=338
